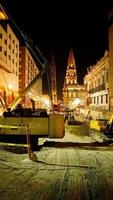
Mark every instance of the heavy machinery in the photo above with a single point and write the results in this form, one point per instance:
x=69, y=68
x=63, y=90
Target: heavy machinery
x=13, y=123
x=103, y=125
x=16, y=122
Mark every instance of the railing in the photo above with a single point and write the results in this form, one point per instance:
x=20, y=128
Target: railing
x=97, y=89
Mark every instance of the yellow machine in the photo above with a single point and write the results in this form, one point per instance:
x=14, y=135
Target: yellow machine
x=14, y=121
x=103, y=125
x=51, y=126
x=98, y=124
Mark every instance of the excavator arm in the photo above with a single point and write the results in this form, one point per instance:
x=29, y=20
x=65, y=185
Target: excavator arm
x=43, y=62
x=27, y=89
x=34, y=51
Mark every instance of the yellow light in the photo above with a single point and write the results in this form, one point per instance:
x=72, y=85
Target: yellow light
x=2, y=16
x=76, y=101
x=10, y=86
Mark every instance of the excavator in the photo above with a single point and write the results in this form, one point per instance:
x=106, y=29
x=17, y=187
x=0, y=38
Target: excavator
x=17, y=121
x=103, y=125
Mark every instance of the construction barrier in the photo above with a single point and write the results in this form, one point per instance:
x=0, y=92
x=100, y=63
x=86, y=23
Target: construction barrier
x=28, y=145
x=13, y=144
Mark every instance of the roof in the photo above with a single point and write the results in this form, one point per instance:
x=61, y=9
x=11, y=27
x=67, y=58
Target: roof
x=71, y=59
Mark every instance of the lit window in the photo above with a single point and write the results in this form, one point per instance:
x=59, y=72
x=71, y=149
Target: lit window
x=5, y=53
x=5, y=41
x=101, y=99
x=98, y=100
x=106, y=98
x=0, y=35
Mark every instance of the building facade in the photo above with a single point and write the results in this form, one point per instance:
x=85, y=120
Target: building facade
x=110, y=77
x=17, y=66
x=27, y=72
x=96, y=83
x=74, y=95
x=9, y=64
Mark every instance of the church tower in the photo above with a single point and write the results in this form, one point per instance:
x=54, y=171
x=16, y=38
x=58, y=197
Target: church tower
x=73, y=93
x=71, y=76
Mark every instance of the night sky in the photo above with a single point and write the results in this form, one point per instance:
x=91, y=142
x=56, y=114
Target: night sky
x=57, y=27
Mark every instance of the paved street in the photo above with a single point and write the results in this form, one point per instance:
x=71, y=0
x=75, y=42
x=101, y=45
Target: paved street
x=69, y=168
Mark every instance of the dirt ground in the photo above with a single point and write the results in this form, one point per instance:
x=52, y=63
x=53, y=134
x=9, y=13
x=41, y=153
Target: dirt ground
x=72, y=168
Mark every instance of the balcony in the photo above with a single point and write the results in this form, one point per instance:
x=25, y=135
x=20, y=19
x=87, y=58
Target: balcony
x=97, y=89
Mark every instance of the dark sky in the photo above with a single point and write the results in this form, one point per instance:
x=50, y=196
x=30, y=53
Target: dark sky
x=57, y=27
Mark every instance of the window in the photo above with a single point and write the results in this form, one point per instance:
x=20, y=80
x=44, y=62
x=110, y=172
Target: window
x=0, y=48
x=94, y=100
x=9, y=57
x=106, y=98
x=5, y=41
x=98, y=100
x=101, y=99
x=5, y=53
x=0, y=35
x=102, y=79
x=98, y=82
x=107, y=75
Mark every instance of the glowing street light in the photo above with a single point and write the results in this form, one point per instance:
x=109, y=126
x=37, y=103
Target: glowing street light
x=76, y=102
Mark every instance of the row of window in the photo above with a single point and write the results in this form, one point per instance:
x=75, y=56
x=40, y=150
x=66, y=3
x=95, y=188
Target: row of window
x=99, y=81
x=102, y=99
x=5, y=40
x=75, y=94
x=5, y=52
x=71, y=81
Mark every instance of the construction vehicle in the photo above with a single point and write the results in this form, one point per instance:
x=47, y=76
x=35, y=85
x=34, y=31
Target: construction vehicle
x=103, y=125
x=14, y=121
x=39, y=123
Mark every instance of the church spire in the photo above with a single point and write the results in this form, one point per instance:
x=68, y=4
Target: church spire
x=71, y=59
x=71, y=76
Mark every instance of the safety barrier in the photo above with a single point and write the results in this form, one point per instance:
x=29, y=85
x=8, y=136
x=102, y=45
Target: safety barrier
x=28, y=145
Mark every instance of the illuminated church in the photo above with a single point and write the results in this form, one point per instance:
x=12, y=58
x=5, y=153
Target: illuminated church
x=74, y=95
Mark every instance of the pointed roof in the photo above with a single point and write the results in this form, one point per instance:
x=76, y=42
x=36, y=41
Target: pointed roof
x=71, y=59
